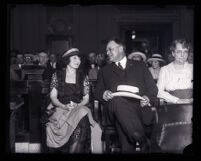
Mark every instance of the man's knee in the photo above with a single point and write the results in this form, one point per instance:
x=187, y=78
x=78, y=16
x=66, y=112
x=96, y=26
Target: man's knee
x=136, y=136
x=118, y=100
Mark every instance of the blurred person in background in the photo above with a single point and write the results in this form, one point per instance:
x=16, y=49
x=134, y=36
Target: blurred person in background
x=92, y=66
x=16, y=69
x=50, y=68
x=156, y=62
x=43, y=59
x=137, y=56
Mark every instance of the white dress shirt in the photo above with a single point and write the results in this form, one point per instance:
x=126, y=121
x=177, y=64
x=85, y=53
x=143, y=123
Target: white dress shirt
x=171, y=79
x=122, y=62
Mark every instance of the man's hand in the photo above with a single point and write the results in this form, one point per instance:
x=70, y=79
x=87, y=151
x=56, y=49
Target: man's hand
x=107, y=95
x=145, y=102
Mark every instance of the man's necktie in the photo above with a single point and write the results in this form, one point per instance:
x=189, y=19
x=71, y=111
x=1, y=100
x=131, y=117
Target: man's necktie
x=120, y=66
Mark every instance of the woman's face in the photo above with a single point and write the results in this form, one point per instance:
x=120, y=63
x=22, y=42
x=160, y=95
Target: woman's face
x=137, y=58
x=180, y=54
x=155, y=64
x=74, y=62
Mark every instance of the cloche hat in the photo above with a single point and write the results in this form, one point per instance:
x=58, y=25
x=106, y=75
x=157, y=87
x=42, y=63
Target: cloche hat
x=156, y=57
x=130, y=56
x=71, y=52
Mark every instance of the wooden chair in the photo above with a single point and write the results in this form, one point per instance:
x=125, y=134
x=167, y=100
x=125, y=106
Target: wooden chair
x=14, y=107
x=173, y=131
x=109, y=136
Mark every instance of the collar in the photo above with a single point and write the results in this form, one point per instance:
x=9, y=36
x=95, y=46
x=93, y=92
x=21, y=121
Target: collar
x=122, y=62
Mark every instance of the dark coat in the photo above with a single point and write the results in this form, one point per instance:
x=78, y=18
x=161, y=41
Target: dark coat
x=49, y=70
x=126, y=113
x=135, y=74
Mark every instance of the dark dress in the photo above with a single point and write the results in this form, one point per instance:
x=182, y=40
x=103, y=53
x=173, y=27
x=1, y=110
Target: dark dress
x=75, y=129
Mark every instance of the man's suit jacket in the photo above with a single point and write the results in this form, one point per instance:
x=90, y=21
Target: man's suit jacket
x=49, y=70
x=135, y=74
x=15, y=72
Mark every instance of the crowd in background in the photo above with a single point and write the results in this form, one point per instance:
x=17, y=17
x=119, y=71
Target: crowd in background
x=91, y=62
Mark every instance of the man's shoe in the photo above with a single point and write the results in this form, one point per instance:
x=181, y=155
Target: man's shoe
x=145, y=146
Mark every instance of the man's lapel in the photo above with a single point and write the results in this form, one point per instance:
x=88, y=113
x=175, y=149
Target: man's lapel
x=116, y=70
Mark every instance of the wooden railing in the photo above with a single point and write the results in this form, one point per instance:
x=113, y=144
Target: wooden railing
x=33, y=93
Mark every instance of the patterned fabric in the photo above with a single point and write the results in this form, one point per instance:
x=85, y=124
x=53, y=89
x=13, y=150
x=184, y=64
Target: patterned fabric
x=54, y=82
x=86, y=86
x=68, y=91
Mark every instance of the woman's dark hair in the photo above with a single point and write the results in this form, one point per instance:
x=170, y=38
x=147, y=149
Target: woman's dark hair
x=66, y=60
x=183, y=42
x=63, y=62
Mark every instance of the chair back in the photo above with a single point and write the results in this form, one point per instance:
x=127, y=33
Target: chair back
x=174, y=127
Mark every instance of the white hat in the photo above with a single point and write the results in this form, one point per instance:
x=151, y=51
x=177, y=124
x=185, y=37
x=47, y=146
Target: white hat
x=71, y=52
x=130, y=56
x=127, y=91
x=42, y=54
x=28, y=55
x=156, y=57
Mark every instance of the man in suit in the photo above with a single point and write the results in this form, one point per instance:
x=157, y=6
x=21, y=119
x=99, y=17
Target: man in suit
x=16, y=69
x=124, y=112
x=50, y=68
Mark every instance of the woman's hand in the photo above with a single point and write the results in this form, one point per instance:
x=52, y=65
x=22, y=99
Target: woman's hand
x=145, y=102
x=71, y=105
x=66, y=107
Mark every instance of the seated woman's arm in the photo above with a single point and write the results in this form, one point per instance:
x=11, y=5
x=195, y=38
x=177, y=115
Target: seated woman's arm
x=54, y=93
x=85, y=100
x=161, y=84
x=54, y=99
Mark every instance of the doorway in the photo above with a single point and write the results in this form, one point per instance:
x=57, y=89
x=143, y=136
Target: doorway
x=148, y=38
x=58, y=44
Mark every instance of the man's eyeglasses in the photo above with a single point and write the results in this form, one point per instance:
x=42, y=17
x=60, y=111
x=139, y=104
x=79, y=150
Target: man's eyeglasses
x=111, y=49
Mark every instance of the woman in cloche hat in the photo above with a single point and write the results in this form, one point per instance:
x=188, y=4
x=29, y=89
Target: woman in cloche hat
x=156, y=62
x=68, y=129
